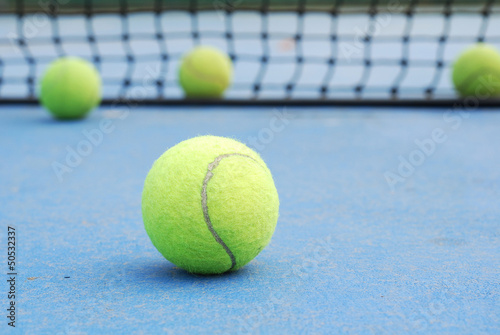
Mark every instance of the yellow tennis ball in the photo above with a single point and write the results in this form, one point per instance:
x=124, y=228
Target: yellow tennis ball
x=209, y=205
x=70, y=88
x=205, y=72
x=477, y=72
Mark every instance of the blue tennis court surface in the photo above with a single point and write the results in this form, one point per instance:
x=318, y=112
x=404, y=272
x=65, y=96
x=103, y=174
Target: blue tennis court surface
x=377, y=234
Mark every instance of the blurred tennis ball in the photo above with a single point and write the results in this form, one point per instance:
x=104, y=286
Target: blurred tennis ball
x=477, y=72
x=70, y=88
x=205, y=72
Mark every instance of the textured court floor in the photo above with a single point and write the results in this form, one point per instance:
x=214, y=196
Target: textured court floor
x=373, y=236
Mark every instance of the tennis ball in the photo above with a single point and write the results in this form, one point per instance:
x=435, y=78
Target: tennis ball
x=205, y=73
x=209, y=205
x=477, y=72
x=70, y=88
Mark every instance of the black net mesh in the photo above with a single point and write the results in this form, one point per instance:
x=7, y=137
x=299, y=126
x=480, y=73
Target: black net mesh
x=281, y=50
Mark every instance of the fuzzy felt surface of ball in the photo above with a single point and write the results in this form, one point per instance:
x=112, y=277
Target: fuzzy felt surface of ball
x=476, y=72
x=70, y=88
x=205, y=72
x=210, y=205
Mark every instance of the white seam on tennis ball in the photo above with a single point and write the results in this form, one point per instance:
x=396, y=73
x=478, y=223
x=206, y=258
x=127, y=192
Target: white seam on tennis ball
x=204, y=205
